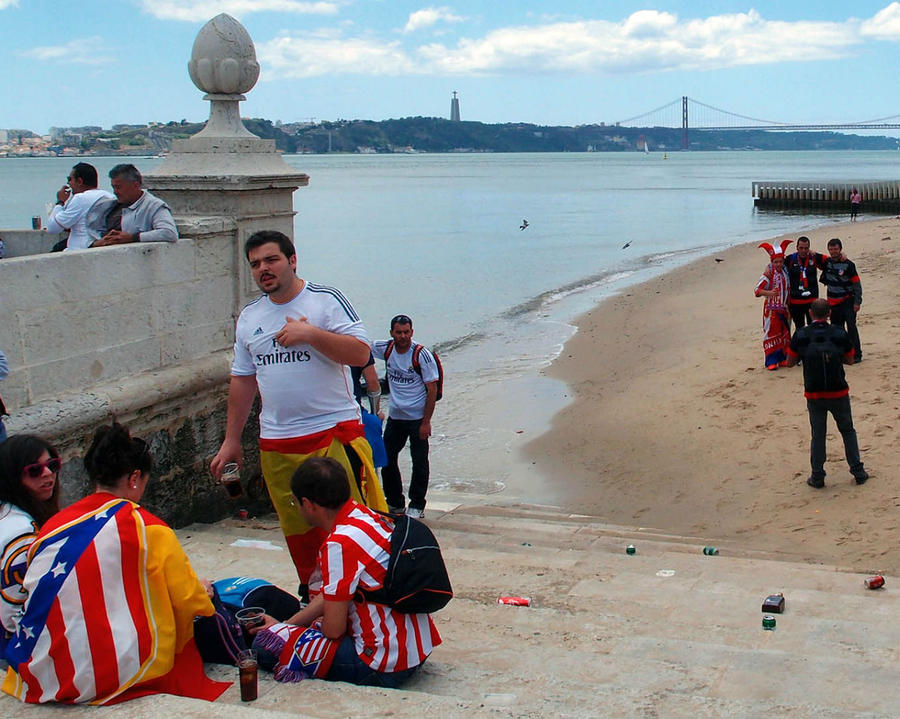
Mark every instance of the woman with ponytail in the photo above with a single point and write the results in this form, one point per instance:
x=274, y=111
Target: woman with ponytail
x=111, y=595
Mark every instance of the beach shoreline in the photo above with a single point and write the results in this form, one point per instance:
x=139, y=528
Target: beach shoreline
x=676, y=425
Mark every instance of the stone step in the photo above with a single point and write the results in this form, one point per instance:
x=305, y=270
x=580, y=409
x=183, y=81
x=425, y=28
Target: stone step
x=665, y=632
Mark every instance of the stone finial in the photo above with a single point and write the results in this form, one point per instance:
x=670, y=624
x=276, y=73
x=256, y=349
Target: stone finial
x=223, y=64
x=223, y=59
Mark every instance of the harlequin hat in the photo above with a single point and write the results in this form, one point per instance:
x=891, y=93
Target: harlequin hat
x=775, y=251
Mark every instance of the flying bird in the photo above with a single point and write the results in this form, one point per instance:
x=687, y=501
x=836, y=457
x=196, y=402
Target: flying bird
x=626, y=245
x=719, y=259
x=523, y=225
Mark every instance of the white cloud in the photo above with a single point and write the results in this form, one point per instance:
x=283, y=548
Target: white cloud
x=884, y=25
x=329, y=53
x=647, y=41
x=194, y=10
x=425, y=18
x=82, y=51
x=8, y=3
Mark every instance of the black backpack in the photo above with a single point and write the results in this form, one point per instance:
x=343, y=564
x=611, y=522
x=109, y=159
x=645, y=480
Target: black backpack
x=416, y=581
x=823, y=368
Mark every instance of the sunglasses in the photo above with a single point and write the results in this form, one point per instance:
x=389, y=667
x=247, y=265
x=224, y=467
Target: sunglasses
x=400, y=320
x=37, y=469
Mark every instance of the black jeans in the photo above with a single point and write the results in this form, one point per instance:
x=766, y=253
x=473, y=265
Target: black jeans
x=799, y=316
x=818, y=422
x=843, y=315
x=396, y=432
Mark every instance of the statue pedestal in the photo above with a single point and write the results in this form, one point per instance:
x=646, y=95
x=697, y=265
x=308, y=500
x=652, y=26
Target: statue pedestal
x=238, y=179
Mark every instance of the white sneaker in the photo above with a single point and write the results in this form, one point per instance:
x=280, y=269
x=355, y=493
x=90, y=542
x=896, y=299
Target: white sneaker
x=415, y=513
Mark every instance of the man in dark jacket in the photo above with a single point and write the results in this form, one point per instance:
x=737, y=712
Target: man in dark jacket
x=844, y=292
x=802, y=268
x=824, y=348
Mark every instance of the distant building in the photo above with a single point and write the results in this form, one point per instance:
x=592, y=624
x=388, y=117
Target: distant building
x=454, y=108
x=4, y=136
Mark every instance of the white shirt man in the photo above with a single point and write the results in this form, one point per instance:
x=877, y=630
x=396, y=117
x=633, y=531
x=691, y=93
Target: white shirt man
x=412, y=374
x=295, y=346
x=81, y=208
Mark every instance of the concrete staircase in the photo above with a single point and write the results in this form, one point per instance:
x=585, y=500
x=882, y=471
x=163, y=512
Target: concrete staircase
x=667, y=632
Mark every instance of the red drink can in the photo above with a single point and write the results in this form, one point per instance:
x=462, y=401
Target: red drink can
x=875, y=582
x=515, y=601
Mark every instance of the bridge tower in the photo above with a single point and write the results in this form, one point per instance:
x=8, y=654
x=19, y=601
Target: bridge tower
x=684, y=122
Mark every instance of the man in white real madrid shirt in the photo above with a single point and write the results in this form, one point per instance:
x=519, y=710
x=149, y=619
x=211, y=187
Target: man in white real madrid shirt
x=412, y=374
x=294, y=345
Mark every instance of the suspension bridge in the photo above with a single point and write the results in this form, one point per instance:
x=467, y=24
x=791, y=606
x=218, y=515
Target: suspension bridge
x=695, y=115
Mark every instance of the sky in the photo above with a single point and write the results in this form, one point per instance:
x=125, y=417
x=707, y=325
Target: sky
x=569, y=62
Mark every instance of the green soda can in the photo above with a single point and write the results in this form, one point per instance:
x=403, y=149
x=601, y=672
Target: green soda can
x=710, y=551
x=768, y=622
x=630, y=549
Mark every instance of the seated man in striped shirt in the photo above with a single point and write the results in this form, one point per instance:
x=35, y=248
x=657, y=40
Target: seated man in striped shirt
x=340, y=636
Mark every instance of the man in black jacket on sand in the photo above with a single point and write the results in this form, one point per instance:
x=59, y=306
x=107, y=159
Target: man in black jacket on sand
x=844, y=292
x=824, y=349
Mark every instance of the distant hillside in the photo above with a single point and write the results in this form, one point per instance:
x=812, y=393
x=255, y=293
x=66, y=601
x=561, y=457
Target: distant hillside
x=431, y=134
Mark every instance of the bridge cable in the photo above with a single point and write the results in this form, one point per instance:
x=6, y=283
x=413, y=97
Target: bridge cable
x=650, y=112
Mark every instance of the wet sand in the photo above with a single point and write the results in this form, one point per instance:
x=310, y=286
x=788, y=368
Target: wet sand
x=677, y=426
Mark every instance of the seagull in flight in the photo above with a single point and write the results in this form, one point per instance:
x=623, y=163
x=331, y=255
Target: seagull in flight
x=626, y=245
x=523, y=225
x=719, y=259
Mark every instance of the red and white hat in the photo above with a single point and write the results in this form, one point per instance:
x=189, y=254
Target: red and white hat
x=775, y=251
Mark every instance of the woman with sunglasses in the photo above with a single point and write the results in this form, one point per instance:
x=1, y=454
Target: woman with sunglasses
x=29, y=496
x=111, y=596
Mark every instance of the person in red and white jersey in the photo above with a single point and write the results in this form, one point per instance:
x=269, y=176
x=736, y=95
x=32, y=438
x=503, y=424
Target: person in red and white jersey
x=340, y=636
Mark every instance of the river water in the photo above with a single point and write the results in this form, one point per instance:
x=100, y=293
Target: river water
x=438, y=237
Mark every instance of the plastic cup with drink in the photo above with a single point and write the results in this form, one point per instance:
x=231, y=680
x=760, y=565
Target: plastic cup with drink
x=250, y=617
x=231, y=480
x=248, y=669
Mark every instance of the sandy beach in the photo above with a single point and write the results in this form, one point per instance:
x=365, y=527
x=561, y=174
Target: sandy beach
x=677, y=426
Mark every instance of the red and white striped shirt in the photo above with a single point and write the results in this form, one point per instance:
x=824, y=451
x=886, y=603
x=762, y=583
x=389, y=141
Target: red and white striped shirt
x=355, y=556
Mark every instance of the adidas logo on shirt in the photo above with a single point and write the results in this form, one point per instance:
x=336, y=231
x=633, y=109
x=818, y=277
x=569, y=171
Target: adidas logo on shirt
x=257, y=331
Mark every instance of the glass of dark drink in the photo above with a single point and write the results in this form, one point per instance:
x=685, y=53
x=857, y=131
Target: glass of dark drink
x=248, y=669
x=231, y=480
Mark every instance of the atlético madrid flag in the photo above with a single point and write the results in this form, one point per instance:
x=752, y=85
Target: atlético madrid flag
x=110, y=609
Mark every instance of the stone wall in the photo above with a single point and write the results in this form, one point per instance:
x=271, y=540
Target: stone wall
x=19, y=243
x=142, y=333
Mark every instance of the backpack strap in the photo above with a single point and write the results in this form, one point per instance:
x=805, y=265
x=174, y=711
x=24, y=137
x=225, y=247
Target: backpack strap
x=388, y=350
x=417, y=366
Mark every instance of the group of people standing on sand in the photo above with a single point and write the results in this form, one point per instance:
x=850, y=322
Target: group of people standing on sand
x=789, y=286
x=98, y=601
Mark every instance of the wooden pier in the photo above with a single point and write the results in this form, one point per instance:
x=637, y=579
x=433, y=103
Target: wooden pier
x=877, y=196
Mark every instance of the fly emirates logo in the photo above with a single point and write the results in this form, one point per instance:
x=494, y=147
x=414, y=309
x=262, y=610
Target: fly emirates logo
x=281, y=355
